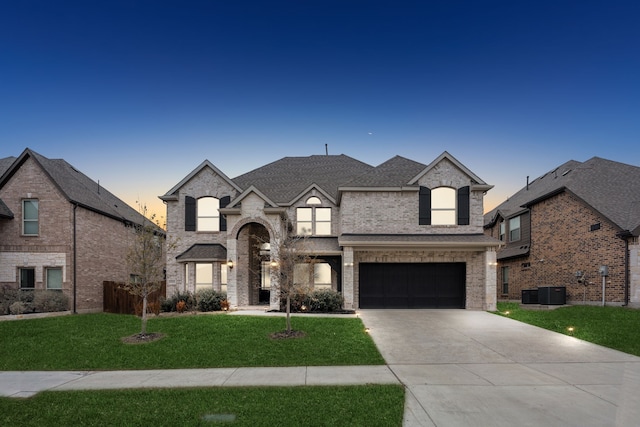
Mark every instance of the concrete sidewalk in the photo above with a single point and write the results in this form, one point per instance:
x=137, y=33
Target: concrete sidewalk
x=28, y=383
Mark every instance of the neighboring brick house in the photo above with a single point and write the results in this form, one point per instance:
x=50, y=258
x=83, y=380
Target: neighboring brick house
x=565, y=225
x=61, y=230
x=399, y=235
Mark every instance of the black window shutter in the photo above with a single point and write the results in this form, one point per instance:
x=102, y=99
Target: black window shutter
x=424, y=206
x=189, y=214
x=463, y=205
x=224, y=202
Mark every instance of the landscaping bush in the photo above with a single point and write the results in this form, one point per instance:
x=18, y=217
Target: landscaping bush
x=50, y=301
x=209, y=300
x=172, y=303
x=318, y=301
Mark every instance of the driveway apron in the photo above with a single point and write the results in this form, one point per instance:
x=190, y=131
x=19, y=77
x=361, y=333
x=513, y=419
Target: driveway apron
x=473, y=368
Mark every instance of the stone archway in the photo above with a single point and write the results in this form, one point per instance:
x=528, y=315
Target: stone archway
x=251, y=286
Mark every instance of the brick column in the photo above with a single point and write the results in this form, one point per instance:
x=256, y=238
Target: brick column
x=348, y=285
x=490, y=279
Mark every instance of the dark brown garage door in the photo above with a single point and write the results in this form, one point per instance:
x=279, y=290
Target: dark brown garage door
x=412, y=285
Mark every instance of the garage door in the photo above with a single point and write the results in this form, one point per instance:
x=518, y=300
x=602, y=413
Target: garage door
x=412, y=285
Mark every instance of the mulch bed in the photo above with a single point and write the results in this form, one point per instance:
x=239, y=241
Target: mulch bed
x=143, y=338
x=283, y=335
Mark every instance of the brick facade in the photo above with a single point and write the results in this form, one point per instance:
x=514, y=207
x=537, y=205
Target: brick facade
x=101, y=241
x=567, y=236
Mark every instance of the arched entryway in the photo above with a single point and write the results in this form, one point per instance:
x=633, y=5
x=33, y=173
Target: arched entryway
x=253, y=275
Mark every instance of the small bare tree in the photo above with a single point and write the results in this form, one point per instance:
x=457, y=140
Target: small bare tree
x=145, y=262
x=286, y=253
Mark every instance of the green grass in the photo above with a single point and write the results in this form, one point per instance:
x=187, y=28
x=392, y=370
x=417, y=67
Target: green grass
x=371, y=405
x=93, y=342
x=613, y=327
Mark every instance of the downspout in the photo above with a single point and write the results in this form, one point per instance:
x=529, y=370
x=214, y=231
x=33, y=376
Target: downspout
x=75, y=258
x=625, y=235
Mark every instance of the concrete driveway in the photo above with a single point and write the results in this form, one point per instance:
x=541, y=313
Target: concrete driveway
x=472, y=368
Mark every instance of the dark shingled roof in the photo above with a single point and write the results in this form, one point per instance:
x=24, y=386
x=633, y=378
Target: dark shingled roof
x=609, y=187
x=5, y=212
x=395, y=172
x=204, y=252
x=78, y=188
x=285, y=179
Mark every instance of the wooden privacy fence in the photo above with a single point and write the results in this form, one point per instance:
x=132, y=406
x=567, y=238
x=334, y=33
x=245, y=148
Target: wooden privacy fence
x=118, y=300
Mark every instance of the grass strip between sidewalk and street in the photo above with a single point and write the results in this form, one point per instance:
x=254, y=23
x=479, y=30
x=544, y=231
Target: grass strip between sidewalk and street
x=94, y=342
x=613, y=327
x=370, y=405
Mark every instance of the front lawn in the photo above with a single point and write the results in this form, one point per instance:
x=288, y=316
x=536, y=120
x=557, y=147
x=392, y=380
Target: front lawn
x=613, y=327
x=370, y=405
x=93, y=342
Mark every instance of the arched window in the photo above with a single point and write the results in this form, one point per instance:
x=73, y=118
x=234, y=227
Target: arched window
x=208, y=215
x=443, y=206
x=313, y=220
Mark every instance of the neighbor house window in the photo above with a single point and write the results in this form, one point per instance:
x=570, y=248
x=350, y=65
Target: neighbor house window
x=313, y=220
x=204, y=276
x=443, y=206
x=505, y=280
x=30, y=217
x=27, y=278
x=502, y=231
x=514, y=229
x=54, y=278
x=208, y=215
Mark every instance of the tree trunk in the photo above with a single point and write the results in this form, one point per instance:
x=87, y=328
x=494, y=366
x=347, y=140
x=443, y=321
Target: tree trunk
x=288, y=313
x=143, y=330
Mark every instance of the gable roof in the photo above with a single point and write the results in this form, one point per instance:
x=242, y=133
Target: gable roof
x=77, y=188
x=284, y=180
x=446, y=155
x=609, y=187
x=395, y=172
x=173, y=193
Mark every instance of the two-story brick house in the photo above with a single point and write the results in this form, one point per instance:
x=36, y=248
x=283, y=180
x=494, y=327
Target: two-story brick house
x=399, y=235
x=561, y=228
x=60, y=230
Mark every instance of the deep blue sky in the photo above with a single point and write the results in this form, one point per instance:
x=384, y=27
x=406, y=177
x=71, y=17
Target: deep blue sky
x=138, y=93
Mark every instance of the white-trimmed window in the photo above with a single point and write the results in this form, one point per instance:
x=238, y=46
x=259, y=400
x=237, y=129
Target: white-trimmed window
x=514, y=229
x=208, y=216
x=30, y=217
x=443, y=206
x=204, y=276
x=54, y=278
x=502, y=231
x=313, y=220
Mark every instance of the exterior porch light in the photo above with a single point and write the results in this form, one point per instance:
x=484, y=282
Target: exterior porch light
x=230, y=264
x=274, y=264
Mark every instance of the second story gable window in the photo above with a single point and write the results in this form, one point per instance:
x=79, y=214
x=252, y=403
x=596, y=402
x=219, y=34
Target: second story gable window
x=514, y=229
x=203, y=214
x=313, y=219
x=208, y=215
x=30, y=217
x=443, y=206
x=502, y=231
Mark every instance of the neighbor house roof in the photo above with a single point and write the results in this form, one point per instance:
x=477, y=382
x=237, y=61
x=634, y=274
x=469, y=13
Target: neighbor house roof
x=77, y=187
x=5, y=212
x=611, y=188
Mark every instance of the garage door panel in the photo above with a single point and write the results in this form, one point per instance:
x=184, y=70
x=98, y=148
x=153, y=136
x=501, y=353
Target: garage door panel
x=412, y=285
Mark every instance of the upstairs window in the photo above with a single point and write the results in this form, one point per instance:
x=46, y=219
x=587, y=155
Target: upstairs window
x=443, y=206
x=30, y=217
x=514, y=229
x=502, y=231
x=208, y=215
x=313, y=220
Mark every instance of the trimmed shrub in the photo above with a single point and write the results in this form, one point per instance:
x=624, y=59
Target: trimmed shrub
x=319, y=301
x=50, y=301
x=209, y=300
x=18, y=307
x=171, y=304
